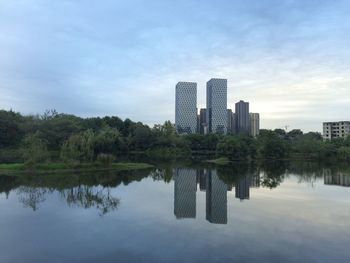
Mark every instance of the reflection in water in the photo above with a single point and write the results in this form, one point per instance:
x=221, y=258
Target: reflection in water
x=185, y=188
x=337, y=178
x=216, y=199
x=32, y=197
x=87, y=197
x=242, y=188
x=94, y=190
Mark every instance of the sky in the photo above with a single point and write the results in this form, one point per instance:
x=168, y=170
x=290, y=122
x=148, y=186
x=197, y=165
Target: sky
x=290, y=59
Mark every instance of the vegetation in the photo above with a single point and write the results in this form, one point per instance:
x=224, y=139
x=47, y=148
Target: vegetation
x=15, y=168
x=76, y=141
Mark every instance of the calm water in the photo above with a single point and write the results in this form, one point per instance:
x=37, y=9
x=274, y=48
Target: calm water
x=179, y=213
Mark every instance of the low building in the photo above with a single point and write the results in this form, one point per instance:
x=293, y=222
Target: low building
x=338, y=129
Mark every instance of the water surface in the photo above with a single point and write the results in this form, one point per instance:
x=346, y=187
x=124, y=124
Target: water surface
x=178, y=213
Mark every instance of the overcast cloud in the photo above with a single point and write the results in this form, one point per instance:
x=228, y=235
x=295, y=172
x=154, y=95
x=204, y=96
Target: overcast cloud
x=289, y=59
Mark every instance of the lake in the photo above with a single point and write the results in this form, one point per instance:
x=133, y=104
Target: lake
x=274, y=212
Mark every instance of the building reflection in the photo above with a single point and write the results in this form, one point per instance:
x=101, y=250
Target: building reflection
x=185, y=188
x=216, y=199
x=186, y=182
x=336, y=178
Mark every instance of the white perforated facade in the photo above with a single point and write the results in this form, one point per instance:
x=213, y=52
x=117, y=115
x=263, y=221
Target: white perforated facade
x=217, y=106
x=186, y=107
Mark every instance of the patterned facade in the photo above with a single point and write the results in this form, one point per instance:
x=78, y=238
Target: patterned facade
x=217, y=106
x=216, y=199
x=186, y=107
x=185, y=188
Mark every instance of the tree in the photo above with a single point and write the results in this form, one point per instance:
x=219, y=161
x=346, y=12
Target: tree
x=106, y=140
x=271, y=146
x=343, y=153
x=236, y=147
x=79, y=148
x=10, y=132
x=34, y=150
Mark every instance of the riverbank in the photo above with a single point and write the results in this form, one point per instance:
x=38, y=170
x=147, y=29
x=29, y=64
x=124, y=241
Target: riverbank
x=20, y=168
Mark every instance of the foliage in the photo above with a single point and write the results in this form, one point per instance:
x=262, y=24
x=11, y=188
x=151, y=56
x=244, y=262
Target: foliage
x=343, y=153
x=34, y=150
x=79, y=148
x=272, y=146
x=83, y=139
x=234, y=148
x=105, y=159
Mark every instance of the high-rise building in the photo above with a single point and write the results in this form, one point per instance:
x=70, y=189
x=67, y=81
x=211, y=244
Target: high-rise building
x=254, y=124
x=234, y=123
x=229, y=121
x=186, y=107
x=217, y=106
x=202, y=121
x=333, y=130
x=242, y=117
x=185, y=188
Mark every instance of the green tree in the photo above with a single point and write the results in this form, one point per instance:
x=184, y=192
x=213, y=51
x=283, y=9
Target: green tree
x=343, y=153
x=34, y=150
x=271, y=146
x=79, y=148
x=107, y=140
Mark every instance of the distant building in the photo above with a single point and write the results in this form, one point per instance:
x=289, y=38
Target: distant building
x=338, y=129
x=203, y=121
x=185, y=188
x=234, y=123
x=231, y=122
x=186, y=107
x=254, y=124
x=242, y=117
x=217, y=106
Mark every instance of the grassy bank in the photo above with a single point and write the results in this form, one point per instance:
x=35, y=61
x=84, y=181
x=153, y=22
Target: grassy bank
x=220, y=161
x=61, y=167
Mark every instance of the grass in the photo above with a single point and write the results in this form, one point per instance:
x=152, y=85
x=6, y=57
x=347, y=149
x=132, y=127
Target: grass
x=220, y=161
x=59, y=167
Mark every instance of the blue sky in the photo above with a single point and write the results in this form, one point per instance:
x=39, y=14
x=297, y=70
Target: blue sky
x=289, y=59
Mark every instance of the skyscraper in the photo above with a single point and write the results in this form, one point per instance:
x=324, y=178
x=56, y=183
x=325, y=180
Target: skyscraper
x=254, y=124
x=202, y=121
x=229, y=121
x=217, y=106
x=242, y=117
x=186, y=107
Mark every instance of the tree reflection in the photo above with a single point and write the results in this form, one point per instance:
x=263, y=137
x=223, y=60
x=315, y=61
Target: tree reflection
x=273, y=173
x=31, y=197
x=87, y=197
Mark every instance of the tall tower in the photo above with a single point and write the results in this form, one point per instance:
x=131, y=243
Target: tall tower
x=242, y=117
x=217, y=106
x=186, y=107
x=254, y=124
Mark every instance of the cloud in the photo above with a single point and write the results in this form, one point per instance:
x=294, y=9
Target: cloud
x=289, y=59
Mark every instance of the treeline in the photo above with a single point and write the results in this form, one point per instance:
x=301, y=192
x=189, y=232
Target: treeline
x=73, y=139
